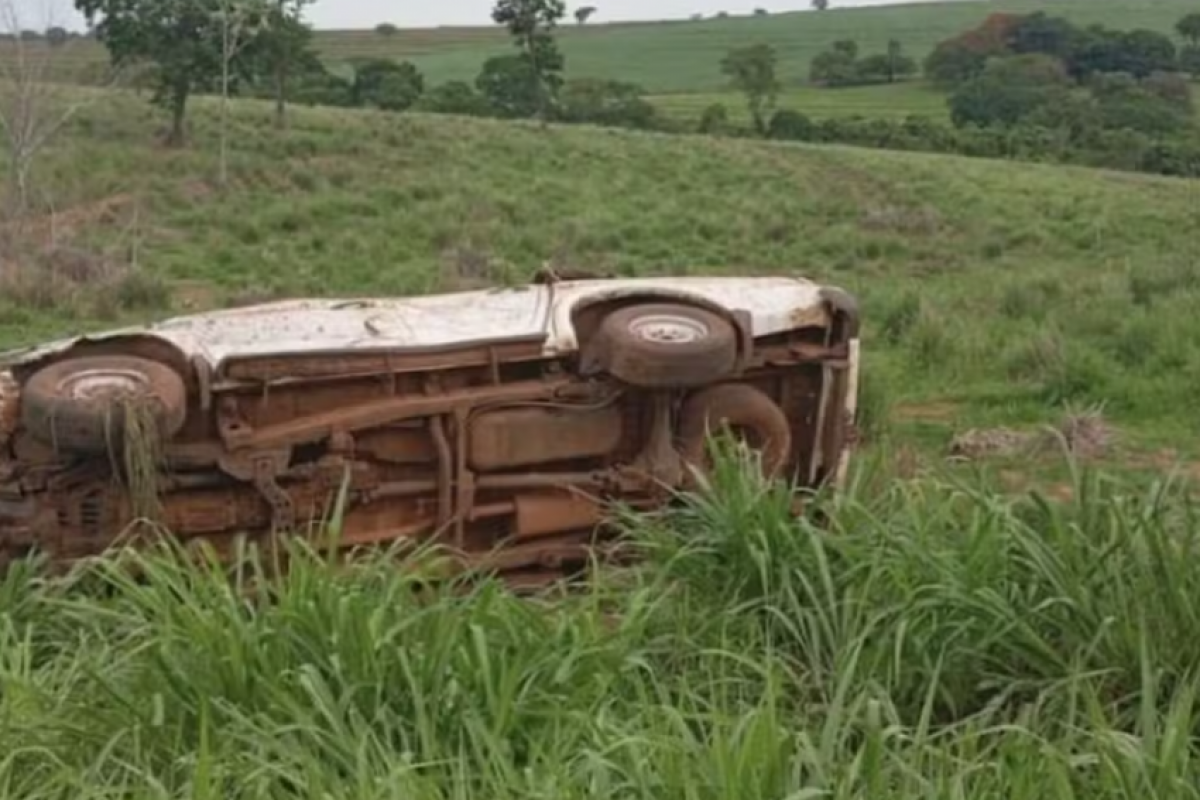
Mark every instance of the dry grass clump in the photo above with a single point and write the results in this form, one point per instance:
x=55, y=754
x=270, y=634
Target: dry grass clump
x=1084, y=433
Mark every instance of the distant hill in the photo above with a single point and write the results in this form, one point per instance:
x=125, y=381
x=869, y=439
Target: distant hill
x=682, y=56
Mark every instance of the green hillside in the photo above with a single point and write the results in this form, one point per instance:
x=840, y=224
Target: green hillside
x=685, y=56
x=1006, y=289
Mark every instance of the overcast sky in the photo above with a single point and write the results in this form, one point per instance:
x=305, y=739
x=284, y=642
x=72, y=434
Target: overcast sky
x=418, y=13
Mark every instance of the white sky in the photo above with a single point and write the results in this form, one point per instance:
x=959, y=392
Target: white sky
x=414, y=13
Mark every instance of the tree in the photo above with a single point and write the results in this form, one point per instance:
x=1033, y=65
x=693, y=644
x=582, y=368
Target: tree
x=1041, y=33
x=33, y=108
x=790, y=125
x=1010, y=89
x=606, y=102
x=455, y=97
x=1137, y=52
x=751, y=71
x=385, y=84
x=883, y=68
x=57, y=36
x=284, y=42
x=898, y=64
x=531, y=24
x=1152, y=106
x=181, y=38
x=584, y=13
x=1189, y=60
x=1189, y=28
x=241, y=22
x=964, y=57
x=820, y=5
x=509, y=86
x=835, y=66
x=386, y=29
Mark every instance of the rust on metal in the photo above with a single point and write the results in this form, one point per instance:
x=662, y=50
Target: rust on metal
x=501, y=424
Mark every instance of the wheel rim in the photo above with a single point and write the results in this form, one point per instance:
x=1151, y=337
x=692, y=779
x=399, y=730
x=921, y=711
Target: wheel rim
x=668, y=329
x=103, y=384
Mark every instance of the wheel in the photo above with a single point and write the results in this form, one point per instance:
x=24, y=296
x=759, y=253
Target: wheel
x=746, y=413
x=667, y=345
x=80, y=404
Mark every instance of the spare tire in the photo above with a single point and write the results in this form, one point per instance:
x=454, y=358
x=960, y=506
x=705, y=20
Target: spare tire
x=667, y=345
x=80, y=405
x=749, y=414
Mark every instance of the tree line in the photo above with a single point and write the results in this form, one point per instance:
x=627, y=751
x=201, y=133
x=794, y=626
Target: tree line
x=1031, y=86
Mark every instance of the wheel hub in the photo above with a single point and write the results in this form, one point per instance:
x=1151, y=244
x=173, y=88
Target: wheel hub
x=92, y=385
x=668, y=329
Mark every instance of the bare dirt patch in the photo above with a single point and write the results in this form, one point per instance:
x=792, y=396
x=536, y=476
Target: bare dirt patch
x=940, y=411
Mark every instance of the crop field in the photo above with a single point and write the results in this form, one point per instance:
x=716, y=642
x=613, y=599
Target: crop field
x=684, y=57
x=1017, y=622
x=878, y=102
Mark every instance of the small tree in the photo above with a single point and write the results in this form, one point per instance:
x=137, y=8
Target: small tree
x=898, y=64
x=509, y=86
x=181, y=38
x=584, y=13
x=33, y=106
x=531, y=24
x=380, y=83
x=386, y=29
x=282, y=45
x=834, y=67
x=820, y=5
x=242, y=21
x=1009, y=90
x=1189, y=28
x=1189, y=60
x=751, y=71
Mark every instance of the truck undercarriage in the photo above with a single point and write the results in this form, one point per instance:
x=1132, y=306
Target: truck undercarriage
x=507, y=458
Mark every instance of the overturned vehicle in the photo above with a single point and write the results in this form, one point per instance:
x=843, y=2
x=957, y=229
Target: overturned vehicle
x=499, y=423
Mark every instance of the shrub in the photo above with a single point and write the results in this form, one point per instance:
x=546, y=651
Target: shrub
x=509, y=85
x=714, y=120
x=790, y=125
x=385, y=84
x=454, y=97
x=606, y=102
x=1010, y=89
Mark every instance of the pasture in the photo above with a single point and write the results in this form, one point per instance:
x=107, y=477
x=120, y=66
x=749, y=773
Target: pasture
x=1013, y=624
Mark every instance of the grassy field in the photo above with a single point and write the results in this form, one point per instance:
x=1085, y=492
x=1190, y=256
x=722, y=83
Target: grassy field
x=1006, y=290
x=946, y=639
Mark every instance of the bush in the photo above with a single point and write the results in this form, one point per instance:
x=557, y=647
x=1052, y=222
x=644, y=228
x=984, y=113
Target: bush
x=790, y=125
x=454, y=97
x=1189, y=60
x=714, y=120
x=1009, y=90
x=606, y=102
x=509, y=85
x=385, y=84
x=1126, y=103
x=965, y=56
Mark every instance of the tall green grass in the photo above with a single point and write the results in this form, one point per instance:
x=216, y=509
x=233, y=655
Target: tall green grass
x=931, y=639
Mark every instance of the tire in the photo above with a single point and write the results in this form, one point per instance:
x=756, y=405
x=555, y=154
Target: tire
x=667, y=345
x=76, y=405
x=746, y=410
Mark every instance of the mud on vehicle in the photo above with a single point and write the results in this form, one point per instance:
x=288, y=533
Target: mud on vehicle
x=498, y=423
